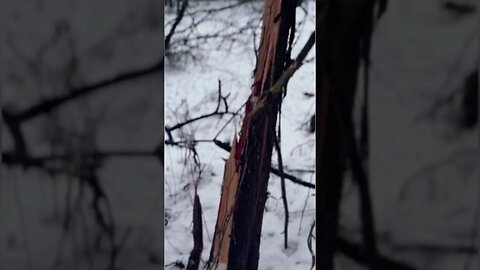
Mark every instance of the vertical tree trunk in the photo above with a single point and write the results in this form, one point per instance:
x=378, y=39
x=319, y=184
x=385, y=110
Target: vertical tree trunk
x=330, y=167
x=343, y=41
x=239, y=223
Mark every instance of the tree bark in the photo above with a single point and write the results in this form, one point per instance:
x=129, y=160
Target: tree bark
x=237, y=234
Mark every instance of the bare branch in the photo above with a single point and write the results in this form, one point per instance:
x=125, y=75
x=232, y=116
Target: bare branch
x=177, y=21
x=216, y=112
x=282, y=184
x=310, y=238
x=55, y=102
x=273, y=170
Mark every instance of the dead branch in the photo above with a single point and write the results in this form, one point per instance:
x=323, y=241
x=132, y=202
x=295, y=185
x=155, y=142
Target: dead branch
x=195, y=254
x=42, y=162
x=217, y=112
x=186, y=40
x=292, y=178
x=310, y=239
x=48, y=105
x=273, y=170
x=177, y=21
x=284, y=192
x=189, y=121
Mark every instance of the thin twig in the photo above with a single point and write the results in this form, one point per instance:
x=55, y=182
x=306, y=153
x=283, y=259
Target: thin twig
x=177, y=21
x=292, y=178
x=216, y=112
x=273, y=170
x=310, y=239
x=277, y=87
x=284, y=192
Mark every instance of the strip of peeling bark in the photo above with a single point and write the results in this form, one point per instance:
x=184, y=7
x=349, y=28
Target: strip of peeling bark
x=223, y=227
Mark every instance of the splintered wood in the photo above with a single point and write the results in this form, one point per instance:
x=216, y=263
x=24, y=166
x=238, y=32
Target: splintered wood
x=263, y=76
x=244, y=190
x=223, y=228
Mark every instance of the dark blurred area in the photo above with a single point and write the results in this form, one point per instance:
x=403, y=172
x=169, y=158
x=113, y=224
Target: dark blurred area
x=82, y=135
x=397, y=134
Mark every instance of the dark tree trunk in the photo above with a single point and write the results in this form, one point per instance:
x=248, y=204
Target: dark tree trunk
x=253, y=152
x=259, y=138
x=343, y=41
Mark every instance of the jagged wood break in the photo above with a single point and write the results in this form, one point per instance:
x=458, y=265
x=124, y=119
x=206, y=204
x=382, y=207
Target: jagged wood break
x=237, y=233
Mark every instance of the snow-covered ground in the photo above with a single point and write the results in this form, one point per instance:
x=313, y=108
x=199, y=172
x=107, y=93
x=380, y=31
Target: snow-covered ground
x=190, y=91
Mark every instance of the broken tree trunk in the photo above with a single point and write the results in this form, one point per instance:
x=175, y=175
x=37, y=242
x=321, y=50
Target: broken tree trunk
x=236, y=241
